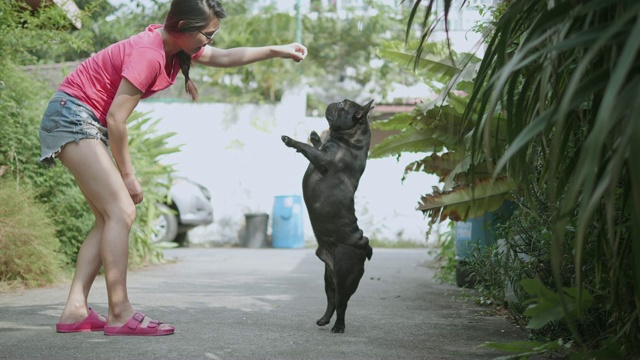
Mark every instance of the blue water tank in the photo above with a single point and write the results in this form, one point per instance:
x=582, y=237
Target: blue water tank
x=287, y=226
x=480, y=232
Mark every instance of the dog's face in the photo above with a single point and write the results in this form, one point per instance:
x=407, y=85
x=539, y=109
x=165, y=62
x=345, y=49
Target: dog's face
x=346, y=115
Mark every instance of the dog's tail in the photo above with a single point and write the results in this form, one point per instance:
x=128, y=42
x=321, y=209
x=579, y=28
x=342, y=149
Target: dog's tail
x=367, y=249
x=362, y=244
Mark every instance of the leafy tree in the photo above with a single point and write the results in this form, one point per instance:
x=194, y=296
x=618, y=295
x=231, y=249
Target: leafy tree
x=110, y=25
x=261, y=81
x=102, y=25
x=344, y=54
x=340, y=62
x=24, y=29
x=343, y=61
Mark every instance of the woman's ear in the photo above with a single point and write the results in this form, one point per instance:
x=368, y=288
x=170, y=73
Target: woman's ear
x=181, y=25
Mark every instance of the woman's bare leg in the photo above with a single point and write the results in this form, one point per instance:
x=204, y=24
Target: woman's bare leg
x=102, y=185
x=87, y=267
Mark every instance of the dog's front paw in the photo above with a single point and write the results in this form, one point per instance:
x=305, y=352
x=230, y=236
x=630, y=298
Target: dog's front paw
x=287, y=140
x=337, y=329
x=323, y=321
x=315, y=139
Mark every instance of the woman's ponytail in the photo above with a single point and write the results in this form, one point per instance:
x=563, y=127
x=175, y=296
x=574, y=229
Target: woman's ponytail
x=185, y=65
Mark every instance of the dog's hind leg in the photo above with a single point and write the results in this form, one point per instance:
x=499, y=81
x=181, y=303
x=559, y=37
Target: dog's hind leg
x=330, y=289
x=347, y=274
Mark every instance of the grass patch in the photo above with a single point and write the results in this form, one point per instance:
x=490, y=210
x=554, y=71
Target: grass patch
x=28, y=244
x=399, y=244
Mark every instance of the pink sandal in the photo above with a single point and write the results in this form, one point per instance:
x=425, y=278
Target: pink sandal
x=91, y=323
x=133, y=328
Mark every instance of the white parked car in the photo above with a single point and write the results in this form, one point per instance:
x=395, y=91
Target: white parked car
x=190, y=206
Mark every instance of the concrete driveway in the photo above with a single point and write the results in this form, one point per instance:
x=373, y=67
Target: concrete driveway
x=263, y=304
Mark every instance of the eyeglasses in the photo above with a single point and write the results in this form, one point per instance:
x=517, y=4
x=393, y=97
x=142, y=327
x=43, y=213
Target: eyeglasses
x=209, y=37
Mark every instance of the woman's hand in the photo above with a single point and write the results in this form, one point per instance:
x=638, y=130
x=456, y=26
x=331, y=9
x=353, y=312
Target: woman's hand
x=295, y=51
x=134, y=188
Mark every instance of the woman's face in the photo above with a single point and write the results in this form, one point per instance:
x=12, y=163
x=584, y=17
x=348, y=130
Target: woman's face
x=191, y=42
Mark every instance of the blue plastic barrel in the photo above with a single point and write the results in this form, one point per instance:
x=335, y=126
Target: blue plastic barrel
x=479, y=232
x=287, y=226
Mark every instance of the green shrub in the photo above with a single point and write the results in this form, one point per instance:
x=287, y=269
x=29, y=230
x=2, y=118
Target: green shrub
x=488, y=269
x=28, y=245
x=445, y=256
x=23, y=100
x=22, y=103
x=146, y=147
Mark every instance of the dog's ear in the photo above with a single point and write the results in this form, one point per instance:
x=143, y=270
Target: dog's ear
x=364, y=112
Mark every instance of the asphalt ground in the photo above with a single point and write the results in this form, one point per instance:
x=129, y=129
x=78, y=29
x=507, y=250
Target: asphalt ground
x=233, y=303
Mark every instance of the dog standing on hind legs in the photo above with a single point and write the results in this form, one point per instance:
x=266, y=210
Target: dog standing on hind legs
x=329, y=185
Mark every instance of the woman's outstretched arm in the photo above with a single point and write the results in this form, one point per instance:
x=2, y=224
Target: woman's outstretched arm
x=224, y=58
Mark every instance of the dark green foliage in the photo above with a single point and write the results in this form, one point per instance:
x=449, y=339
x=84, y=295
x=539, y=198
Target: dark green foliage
x=565, y=76
x=582, y=170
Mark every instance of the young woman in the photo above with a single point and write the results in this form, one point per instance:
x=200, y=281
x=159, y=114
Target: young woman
x=88, y=115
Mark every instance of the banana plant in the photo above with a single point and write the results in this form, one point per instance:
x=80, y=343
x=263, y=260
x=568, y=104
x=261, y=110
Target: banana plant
x=436, y=127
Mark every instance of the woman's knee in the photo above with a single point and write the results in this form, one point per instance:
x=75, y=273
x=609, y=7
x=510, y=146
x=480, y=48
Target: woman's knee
x=129, y=214
x=124, y=214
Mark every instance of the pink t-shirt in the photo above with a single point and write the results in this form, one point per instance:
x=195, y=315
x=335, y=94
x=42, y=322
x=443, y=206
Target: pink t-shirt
x=140, y=59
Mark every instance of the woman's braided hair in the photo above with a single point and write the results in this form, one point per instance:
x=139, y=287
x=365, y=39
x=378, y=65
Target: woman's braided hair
x=196, y=15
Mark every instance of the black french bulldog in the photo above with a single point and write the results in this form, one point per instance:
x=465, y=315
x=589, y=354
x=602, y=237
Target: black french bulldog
x=329, y=185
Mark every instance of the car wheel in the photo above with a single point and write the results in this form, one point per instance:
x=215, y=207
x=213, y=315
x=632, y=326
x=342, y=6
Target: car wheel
x=165, y=226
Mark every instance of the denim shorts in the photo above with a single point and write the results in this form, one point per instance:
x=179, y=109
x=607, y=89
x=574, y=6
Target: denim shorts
x=67, y=119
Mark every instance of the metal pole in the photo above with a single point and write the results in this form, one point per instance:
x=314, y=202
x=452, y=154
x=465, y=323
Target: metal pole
x=299, y=25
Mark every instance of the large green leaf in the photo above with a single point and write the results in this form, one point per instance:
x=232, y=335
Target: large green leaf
x=440, y=165
x=467, y=201
x=436, y=67
x=407, y=141
x=547, y=306
x=434, y=70
x=398, y=121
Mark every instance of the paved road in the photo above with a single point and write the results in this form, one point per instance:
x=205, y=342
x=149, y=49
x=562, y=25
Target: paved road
x=263, y=304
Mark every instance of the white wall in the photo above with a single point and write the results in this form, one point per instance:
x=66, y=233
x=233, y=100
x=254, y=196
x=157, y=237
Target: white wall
x=237, y=153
